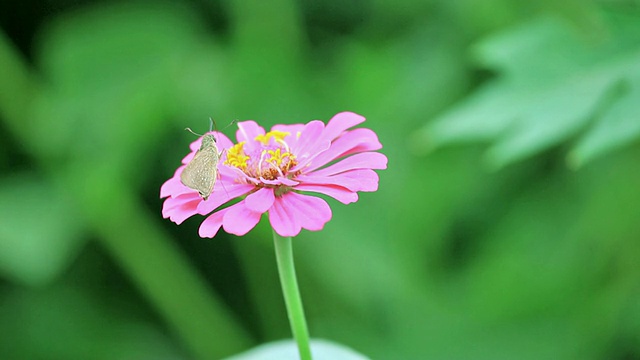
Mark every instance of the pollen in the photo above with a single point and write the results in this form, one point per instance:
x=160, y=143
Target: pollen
x=277, y=157
x=278, y=136
x=268, y=158
x=274, y=163
x=236, y=156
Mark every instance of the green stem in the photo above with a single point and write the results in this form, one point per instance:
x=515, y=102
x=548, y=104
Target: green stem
x=287, y=271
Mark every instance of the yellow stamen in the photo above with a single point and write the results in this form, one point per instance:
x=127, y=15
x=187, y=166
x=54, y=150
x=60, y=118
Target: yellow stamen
x=236, y=156
x=278, y=135
x=276, y=157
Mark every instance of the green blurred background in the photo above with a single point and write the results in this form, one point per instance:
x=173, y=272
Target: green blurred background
x=506, y=226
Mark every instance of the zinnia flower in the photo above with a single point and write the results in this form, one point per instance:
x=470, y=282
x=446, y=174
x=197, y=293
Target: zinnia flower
x=276, y=172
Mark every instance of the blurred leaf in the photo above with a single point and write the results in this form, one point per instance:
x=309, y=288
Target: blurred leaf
x=63, y=323
x=116, y=74
x=288, y=350
x=17, y=86
x=552, y=84
x=39, y=230
x=619, y=126
x=401, y=68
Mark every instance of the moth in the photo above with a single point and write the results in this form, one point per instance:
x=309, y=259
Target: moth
x=202, y=171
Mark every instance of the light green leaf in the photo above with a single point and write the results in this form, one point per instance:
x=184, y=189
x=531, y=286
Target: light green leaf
x=553, y=83
x=517, y=52
x=618, y=127
x=550, y=116
x=39, y=230
x=287, y=350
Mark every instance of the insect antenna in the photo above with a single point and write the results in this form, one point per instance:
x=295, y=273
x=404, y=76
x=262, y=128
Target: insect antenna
x=194, y=133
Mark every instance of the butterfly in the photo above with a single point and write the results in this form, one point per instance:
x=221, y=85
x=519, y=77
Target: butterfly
x=202, y=171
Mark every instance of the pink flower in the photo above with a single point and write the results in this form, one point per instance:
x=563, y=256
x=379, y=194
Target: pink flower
x=275, y=171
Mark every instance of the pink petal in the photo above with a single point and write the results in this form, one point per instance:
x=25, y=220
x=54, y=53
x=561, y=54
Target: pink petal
x=247, y=131
x=211, y=225
x=239, y=219
x=354, y=180
x=172, y=203
x=310, y=144
x=339, y=193
x=358, y=140
x=222, y=141
x=282, y=218
x=367, y=160
x=341, y=122
x=261, y=200
x=310, y=211
x=223, y=191
x=286, y=181
x=279, y=181
x=189, y=156
x=235, y=175
x=173, y=186
x=292, y=129
x=359, y=180
x=308, y=140
x=228, y=171
x=180, y=208
x=229, y=188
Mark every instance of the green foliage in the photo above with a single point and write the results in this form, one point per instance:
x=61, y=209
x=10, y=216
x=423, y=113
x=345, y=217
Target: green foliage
x=555, y=83
x=445, y=261
x=112, y=82
x=39, y=233
x=40, y=325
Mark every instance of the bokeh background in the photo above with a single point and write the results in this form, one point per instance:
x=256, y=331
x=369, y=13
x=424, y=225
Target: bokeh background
x=506, y=226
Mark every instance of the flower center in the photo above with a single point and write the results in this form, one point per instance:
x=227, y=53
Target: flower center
x=269, y=160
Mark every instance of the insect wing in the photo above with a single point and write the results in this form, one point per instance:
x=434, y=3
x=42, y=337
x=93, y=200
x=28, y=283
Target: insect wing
x=201, y=172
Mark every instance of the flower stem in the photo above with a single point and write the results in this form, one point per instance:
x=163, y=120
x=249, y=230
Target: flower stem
x=287, y=271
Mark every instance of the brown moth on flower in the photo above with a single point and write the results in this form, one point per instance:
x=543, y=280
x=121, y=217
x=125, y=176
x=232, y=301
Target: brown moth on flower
x=201, y=172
